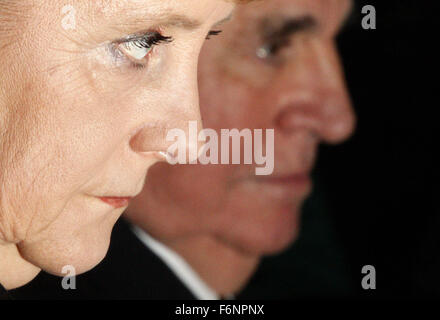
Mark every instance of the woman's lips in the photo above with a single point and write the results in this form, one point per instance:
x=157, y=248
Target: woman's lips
x=117, y=202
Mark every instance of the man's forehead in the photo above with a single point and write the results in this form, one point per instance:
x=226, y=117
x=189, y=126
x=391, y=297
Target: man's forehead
x=319, y=9
x=325, y=15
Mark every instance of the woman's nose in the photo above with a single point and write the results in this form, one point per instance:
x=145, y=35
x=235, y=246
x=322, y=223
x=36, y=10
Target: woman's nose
x=314, y=96
x=175, y=129
x=177, y=141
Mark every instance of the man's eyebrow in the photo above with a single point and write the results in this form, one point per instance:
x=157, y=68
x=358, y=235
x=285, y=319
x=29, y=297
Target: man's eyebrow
x=288, y=26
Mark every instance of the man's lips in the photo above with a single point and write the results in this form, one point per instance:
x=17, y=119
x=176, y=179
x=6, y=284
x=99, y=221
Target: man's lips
x=117, y=202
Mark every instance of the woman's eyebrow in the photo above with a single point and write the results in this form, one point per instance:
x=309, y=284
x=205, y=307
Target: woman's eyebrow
x=164, y=20
x=179, y=21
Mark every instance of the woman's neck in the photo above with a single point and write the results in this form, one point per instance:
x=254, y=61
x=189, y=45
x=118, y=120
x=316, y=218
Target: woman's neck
x=14, y=270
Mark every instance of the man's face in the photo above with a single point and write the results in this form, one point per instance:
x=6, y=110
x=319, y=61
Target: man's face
x=274, y=66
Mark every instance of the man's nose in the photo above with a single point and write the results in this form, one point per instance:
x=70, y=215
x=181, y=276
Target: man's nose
x=312, y=94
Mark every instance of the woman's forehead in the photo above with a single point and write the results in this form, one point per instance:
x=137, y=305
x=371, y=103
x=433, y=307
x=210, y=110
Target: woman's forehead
x=194, y=9
x=134, y=15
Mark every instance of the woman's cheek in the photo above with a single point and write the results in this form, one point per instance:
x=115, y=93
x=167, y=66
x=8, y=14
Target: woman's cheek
x=119, y=79
x=51, y=153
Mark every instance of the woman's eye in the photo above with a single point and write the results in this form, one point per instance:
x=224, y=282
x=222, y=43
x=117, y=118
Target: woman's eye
x=136, y=49
x=133, y=51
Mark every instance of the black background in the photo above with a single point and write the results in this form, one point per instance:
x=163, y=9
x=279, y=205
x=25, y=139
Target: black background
x=381, y=183
x=374, y=201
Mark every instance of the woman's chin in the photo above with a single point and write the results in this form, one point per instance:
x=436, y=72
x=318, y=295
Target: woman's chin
x=69, y=255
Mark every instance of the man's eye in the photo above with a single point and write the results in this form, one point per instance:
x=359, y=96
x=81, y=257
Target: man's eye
x=136, y=49
x=272, y=48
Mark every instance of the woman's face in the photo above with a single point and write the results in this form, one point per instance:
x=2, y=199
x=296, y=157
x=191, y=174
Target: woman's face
x=87, y=94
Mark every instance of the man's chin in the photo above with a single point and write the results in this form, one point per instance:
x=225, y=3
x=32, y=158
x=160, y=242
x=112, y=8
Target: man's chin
x=271, y=245
x=267, y=239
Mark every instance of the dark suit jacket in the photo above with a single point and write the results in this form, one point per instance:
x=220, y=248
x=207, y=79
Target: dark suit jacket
x=129, y=271
x=3, y=293
x=314, y=266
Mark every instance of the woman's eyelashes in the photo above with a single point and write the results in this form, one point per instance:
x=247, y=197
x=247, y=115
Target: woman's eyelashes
x=213, y=33
x=135, y=49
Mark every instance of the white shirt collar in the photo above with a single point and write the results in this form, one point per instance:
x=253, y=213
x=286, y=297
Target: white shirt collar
x=178, y=265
